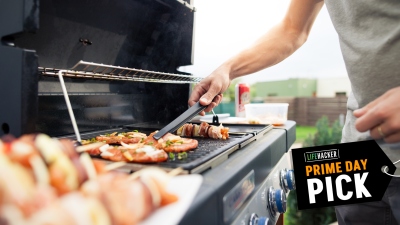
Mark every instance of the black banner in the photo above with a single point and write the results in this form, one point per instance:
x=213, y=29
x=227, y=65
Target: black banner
x=340, y=174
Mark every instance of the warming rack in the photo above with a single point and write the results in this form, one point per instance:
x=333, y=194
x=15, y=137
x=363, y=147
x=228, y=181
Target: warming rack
x=100, y=71
x=92, y=70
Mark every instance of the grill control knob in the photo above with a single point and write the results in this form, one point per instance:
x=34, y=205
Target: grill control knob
x=263, y=221
x=287, y=180
x=255, y=220
x=276, y=201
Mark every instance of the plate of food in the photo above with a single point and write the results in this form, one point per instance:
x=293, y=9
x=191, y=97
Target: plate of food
x=47, y=181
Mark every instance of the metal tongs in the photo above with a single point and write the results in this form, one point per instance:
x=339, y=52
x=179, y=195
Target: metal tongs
x=182, y=119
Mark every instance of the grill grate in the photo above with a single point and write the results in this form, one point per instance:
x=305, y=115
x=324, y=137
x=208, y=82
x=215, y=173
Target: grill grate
x=205, y=148
x=199, y=159
x=107, y=72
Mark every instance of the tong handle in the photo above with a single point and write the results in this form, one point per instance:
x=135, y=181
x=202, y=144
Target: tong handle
x=182, y=119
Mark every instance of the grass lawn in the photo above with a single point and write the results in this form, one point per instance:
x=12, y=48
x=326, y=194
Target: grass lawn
x=302, y=132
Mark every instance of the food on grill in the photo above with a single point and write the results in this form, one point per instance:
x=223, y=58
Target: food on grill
x=92, y=148
x=101, y=198
x=140, y=152
x=172, y=143
x=147, y=150
x=203, y=130
x=126, y=137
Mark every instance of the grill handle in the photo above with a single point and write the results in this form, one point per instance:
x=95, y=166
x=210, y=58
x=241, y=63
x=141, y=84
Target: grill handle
x=182, y=119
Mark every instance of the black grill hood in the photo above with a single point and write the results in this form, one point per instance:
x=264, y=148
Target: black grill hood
x=154, y=35
x=146, y=34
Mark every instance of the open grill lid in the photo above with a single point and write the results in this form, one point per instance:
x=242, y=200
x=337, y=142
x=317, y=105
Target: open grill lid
x=149, y=35
x=144, y=34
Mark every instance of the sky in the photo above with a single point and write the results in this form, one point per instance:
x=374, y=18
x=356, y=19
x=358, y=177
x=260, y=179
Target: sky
x=225, y=27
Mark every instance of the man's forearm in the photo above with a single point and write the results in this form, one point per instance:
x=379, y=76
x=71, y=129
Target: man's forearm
x=270, y=49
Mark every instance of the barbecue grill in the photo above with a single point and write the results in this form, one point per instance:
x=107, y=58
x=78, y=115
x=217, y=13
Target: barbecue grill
x=113, y=64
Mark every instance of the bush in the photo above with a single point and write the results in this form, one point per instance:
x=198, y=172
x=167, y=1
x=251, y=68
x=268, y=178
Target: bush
x=325, y=135
x=318, y=216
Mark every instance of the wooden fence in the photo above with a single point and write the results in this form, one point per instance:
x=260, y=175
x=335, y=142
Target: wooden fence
x=307, y=110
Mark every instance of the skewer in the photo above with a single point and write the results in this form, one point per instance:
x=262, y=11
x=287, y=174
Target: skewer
x=84, y=148
x=134, y=175
x=171, y=173
x=113, y=166
x=175, y=172
x=87, y=163
x=40, y=170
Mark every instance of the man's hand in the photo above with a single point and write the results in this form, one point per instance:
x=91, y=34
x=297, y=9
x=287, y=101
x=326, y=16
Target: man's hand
x=381, y=117
x=209, y=90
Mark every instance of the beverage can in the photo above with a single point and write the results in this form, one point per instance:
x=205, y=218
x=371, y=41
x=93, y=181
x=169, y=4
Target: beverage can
x=242, y=97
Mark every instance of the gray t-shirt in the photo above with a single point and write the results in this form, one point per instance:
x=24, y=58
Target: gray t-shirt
x=369, y=35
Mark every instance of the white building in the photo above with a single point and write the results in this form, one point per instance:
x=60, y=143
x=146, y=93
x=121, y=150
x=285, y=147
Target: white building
x=331, y=87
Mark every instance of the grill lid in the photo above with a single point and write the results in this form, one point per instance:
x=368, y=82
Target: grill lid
x=150, y=35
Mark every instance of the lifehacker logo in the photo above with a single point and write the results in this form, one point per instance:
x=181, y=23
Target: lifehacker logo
x=321, y=155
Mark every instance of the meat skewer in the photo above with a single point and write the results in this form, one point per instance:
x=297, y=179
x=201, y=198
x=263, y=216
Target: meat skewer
x=203, y=130
x=102, y=198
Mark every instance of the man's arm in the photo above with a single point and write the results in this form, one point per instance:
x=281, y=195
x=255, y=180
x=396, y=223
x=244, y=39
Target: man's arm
x=273, y=47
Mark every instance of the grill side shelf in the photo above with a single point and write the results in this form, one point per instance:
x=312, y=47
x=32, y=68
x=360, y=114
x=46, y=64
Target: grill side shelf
x=90, y=70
